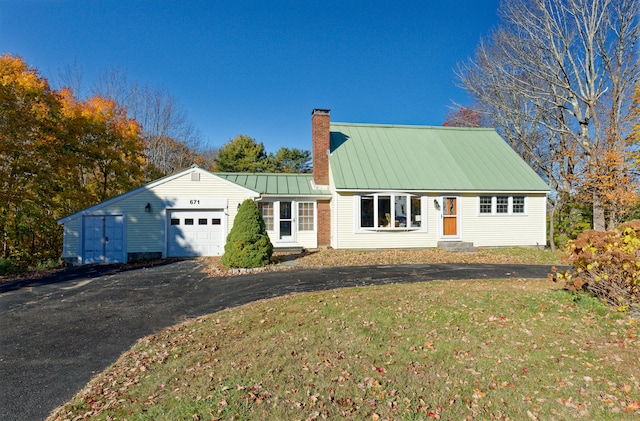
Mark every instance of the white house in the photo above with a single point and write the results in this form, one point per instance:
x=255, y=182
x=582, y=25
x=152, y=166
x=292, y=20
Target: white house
x=373, y=186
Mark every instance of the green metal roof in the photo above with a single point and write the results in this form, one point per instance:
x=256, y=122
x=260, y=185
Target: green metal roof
x=275, y=184
x=391, y=157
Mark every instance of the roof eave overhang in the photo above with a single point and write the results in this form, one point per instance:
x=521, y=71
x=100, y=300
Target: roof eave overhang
x=342, y=190
x=292, y=195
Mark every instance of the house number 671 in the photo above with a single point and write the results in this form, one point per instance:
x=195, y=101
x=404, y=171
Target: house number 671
x=194, y=202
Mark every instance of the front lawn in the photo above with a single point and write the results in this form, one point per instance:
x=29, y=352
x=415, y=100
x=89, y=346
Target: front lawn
x=333, y=258
x=504, y=349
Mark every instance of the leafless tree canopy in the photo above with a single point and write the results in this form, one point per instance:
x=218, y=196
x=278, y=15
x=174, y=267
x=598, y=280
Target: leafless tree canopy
x=171, y=141
x=556, y=78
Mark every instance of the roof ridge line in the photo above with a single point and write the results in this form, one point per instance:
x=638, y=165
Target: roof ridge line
x=411, y=126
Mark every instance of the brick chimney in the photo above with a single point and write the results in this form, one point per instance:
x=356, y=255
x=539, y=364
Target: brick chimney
x=320, y=142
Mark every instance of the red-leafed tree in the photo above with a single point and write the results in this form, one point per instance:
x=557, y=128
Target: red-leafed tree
x=463, y=117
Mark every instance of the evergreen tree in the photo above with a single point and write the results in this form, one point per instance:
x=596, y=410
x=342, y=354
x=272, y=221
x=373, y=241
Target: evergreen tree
x=243, y=154
x=248, y=244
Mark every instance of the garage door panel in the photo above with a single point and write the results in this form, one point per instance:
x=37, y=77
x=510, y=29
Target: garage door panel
x=191, y=233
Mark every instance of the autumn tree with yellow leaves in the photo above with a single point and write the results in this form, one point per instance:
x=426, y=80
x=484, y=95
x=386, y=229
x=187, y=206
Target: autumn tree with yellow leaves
x=108, y=159
x=57, y=156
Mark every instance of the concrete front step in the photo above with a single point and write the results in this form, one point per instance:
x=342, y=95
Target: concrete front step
x=288, y=249
x=457, y=246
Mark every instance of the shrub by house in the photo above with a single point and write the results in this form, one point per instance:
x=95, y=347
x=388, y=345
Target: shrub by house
x=248, y=244
x=607, y=264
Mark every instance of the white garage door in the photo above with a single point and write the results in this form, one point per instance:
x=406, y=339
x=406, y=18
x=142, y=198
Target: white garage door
x=195, y=233
x=103, y=239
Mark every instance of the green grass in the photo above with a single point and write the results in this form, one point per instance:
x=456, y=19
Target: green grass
x=508, y=349
x=10, y=267
x=524, y=255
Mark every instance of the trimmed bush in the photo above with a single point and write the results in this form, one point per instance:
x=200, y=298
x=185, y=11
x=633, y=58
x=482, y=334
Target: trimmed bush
x=607, y=264
x=248, y=244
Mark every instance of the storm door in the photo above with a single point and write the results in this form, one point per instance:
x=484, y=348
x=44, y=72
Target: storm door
x=449, y=216
x=285, y=233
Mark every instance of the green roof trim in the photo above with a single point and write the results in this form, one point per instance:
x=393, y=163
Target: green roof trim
x=275, y=184
x=396, y=157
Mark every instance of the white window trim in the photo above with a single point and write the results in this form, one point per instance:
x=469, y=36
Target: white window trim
x=459, y=221
x=314, y=216
x=295, y=213
x=375, y=195
x=494, y=205
x=273, y=217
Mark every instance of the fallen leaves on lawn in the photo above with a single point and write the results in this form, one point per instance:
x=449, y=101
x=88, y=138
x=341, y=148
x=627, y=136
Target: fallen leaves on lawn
x=486, y=350
x=337, y=258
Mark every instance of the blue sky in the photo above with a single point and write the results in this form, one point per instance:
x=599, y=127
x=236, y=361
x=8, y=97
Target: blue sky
x=260, y=67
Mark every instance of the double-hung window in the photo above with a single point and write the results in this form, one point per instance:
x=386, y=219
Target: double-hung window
x=305, y=213
x=502, y=205
x=517, y=204
x=389, y=211
x=305, y=216
x=266, y=210
x=486, y=204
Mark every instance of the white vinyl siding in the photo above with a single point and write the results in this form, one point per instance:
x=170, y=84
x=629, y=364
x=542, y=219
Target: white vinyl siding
x=511, y=229
x=304, y=232
x=146, y=231
x=347, y=233
x=307, y=239
x=71, y=239
x=498, y=230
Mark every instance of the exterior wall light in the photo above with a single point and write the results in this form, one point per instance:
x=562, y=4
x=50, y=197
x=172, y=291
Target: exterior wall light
x=436, y=204
x=147, y=208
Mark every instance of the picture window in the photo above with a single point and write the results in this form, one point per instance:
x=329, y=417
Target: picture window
x=388, y=211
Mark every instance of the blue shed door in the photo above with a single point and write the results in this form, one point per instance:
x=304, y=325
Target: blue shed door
x=103, y=239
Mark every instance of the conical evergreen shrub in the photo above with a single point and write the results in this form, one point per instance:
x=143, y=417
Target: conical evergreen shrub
x=248, y=244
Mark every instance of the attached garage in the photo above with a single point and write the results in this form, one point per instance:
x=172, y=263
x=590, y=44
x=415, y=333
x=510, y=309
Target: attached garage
x=195, y=233
x=189, y=214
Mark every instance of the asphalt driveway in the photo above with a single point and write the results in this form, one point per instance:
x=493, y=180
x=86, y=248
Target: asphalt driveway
x=56, y=333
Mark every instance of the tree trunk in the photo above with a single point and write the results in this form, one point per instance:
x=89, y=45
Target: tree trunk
x=552, y=242
x=598, y=213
